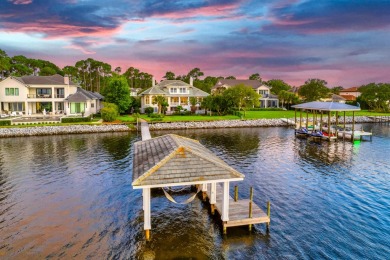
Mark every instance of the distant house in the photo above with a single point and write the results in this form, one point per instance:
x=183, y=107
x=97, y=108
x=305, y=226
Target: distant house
x=134, y=91
x=29, y=95
x=350, y=94
x=334, y=98
x=177, y=93
x=267, y=99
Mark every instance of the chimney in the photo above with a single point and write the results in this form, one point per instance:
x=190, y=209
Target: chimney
x=66, y=80
x=153, y=82
x=191, y=81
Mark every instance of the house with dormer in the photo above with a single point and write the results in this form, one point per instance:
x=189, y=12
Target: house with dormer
x=267, y=99
x=176, y=92
x=51, y=95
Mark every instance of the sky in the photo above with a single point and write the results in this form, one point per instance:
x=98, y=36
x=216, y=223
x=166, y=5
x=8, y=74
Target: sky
x=346, y=43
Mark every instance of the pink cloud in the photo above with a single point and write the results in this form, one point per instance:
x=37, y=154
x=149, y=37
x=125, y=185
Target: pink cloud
x=21, y=2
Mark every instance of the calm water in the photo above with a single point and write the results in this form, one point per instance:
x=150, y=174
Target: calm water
x=71, y=196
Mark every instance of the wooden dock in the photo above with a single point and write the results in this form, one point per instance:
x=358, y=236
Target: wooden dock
x=239, y=211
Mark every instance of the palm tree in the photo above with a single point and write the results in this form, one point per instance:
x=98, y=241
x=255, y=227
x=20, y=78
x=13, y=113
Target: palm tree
x=160, y=101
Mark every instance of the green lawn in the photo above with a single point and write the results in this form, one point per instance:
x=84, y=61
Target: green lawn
x=127, y=118
x=268, y=114
x=187, y=118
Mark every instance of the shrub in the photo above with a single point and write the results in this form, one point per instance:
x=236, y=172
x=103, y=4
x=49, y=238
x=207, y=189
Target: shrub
x=75, y=119
x=109, y=112
x=158, y=116
x=149, y=110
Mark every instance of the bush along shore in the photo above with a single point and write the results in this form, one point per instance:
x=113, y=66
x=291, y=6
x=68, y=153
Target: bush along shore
x=81, y=129
x=58, y=130
x=245, y=123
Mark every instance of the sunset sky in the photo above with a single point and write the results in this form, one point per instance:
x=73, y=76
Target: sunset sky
x=343, y=42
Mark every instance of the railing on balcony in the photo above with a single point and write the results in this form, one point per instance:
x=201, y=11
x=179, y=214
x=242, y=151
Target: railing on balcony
x=59, y=96
x=38, y=96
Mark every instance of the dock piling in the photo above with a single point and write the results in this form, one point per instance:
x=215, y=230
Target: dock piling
x=235, y=193
x=269, y=214
x=250, y=206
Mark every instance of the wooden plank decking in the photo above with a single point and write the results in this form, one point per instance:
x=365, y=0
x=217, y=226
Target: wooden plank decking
x=239, y=210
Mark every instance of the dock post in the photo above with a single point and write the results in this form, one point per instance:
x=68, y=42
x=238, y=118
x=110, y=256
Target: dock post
x=224, y=229
x=213, y=198
x=250, y=206
x=146, y=207
x=235, y=193
x=204, y=190
x=269, y=213
x=225, y=202
x=353, y=126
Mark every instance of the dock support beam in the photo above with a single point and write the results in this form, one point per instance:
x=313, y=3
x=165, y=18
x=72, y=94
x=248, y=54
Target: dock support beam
x=250, y=206
x=146, y=207
x=225, y=202
x=204, y=190
x=213, y=198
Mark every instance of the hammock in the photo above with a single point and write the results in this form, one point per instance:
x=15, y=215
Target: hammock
x=189, y=200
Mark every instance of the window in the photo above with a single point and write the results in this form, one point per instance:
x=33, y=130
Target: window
x=173, y=90
x=183, y=90
x=43, y=91
x=92, y=105
x=16, y=106
x=12, y=91
x=263, y=92
x=60, y=93
x=76, y=108
x=147, y=100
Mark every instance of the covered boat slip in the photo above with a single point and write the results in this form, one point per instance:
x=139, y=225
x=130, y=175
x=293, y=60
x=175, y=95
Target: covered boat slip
x=172, y=160
x=319, y=109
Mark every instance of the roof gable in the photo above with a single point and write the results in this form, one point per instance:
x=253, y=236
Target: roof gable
x=172, y=159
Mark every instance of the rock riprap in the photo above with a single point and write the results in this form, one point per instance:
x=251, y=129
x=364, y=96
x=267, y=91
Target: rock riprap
x=57, y=130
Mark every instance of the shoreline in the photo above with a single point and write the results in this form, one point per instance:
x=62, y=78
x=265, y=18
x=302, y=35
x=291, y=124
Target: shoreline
x=84, y=129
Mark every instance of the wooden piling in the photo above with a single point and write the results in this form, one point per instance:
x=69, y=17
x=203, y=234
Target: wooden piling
x=212, y=209
x=224, y=229
x=250, y=206
x=235, y=193
x=269, y=213
x=147, y=234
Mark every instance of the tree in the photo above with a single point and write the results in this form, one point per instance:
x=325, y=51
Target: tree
x=160, y=101
x=193, y=102
x=5, y=64
x=118, y=70
x=117, y=91
x=47, y=71
x=314, y=89
x=230, y=77
x=169, y=75
x=255, y=76
x=376, y=96
x=336, y=90
x=277, y=85
x=242, y=97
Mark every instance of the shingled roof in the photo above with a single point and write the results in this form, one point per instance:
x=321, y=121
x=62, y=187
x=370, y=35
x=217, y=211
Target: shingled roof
x=172, y=159
x=43, y=80
x=326, y=106
x=162, y=88
x=83, y=95
x=255, y=84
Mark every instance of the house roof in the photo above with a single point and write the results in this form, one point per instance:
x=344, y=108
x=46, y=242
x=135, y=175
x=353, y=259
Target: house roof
x=337, y=98
x=233, y=82
x=349, y=97
x=162, y=88
x=173, y=159
x=353, y=89
x=83, y=95
x=326, y=106
x=43, y=80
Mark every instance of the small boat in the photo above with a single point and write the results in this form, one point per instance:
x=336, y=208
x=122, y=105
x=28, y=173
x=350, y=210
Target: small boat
x=302, y=132
x=317, y=133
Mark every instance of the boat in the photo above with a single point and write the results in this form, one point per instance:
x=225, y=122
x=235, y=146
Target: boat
x=302, y=132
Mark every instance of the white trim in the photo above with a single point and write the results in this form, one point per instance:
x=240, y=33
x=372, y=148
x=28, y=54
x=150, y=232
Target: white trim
x=146, y=207
x=185, y=183
x=204, y=188
x=213, y=199
x=225, y=202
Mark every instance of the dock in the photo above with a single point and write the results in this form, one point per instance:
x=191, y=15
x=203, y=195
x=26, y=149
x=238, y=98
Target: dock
x=239, y=211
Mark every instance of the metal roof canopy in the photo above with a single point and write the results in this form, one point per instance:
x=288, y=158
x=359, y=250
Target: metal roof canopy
x=326, y=106
x=173, y=160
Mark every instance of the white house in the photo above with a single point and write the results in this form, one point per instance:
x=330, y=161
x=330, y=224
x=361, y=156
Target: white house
x=30, y=95
x=267, y=99
x=177, y=93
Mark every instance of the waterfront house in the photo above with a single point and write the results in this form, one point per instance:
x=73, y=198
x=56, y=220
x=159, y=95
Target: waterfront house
x=54, y=95
x=334, y=98
x=350, y=94
x=267, y=99
x=176, y=92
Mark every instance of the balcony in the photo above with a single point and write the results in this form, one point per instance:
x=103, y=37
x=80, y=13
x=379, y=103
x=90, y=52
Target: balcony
x=38, y=96
x=59, y=96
